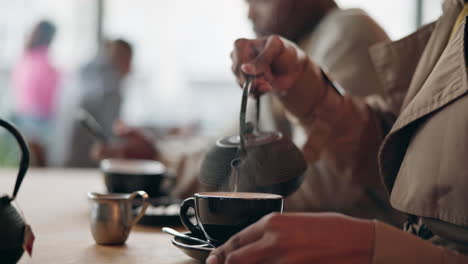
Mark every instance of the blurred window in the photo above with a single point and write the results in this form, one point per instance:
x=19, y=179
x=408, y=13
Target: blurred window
x=432, y=9
x=181, y=72
x=74, y=42
x=398, y=17
x=75, y=22
x=182, y=65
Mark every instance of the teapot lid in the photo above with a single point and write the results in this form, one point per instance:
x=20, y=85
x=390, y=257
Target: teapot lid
x=257, y=138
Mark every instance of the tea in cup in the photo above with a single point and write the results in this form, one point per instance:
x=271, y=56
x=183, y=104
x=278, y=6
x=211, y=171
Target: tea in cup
x=220, y=215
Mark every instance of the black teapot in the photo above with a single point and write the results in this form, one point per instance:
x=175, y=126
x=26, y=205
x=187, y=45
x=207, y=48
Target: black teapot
x=12, y=225
x=254, y=160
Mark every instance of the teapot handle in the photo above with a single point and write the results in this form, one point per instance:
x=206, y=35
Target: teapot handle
x=243, y=124
x=257, y=116
x=24, y=163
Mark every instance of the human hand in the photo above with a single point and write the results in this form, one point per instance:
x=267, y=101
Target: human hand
x=132, y=144
x=300, y=238
x=275, y=62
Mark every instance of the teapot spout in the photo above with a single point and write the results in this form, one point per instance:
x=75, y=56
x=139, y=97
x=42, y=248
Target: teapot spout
x=234, y=177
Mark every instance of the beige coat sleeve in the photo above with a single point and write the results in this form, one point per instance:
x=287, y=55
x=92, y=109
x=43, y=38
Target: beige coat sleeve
x=346, y=132
x=339, y=44
x=394, y=246
x=343, y=137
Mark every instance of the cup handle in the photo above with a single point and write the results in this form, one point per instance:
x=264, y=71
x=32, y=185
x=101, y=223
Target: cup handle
x=145, y=204
x=187, y=204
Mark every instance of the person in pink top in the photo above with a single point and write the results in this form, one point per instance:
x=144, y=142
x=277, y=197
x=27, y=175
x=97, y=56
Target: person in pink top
x=35, y=82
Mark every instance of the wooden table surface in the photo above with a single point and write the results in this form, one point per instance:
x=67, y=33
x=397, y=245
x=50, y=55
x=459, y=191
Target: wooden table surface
x=55, y=204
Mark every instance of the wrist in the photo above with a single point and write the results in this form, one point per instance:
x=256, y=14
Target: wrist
x=318, y=109
x=303, y=96
x=360, y=238
x=313, y=96
x=392, y=245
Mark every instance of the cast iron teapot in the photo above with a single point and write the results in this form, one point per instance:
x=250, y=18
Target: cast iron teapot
x=12, y=225
x=253, y=161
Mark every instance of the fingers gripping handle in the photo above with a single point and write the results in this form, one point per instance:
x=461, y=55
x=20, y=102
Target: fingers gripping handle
x=242, y=125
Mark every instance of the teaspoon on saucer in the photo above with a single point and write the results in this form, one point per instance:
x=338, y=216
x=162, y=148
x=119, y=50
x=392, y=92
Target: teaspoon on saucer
x=176, y=233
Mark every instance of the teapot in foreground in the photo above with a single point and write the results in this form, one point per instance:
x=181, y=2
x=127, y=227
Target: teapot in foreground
x=12, y=226
x=263, y=161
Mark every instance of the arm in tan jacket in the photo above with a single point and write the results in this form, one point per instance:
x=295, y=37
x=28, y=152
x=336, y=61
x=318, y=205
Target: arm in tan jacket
x=343, y=131
x=339, y=42
x=347, y=132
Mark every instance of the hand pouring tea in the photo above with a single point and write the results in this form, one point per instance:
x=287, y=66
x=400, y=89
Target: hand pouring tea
x=268, y=162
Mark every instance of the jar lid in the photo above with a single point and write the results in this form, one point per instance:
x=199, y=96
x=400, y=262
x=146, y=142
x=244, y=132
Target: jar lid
x=253, y=139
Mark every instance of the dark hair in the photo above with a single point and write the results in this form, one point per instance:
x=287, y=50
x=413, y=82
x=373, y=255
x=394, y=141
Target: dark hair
x=123, y=44
x=42, y=35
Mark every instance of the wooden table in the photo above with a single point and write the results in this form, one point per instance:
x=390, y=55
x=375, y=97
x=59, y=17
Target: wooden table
x=55, y=204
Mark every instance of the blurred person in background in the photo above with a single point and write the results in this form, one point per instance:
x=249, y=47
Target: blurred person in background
x=100, y=86
x=35, y=82
x=338, y=40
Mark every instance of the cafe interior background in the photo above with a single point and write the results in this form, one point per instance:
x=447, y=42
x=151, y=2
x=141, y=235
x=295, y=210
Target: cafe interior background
x=181, y=69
